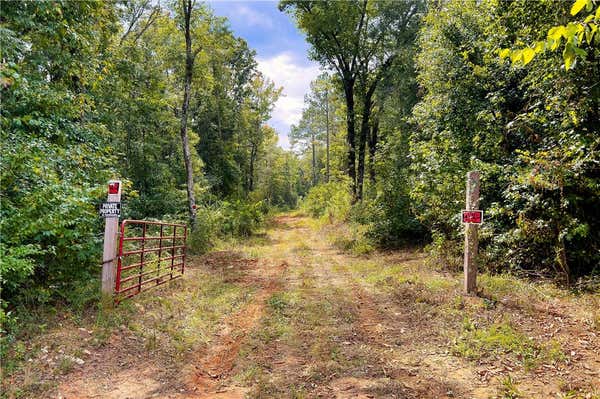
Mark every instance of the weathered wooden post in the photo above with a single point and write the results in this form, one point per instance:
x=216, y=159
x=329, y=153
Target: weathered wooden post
x=471, y=217
x=110, y=210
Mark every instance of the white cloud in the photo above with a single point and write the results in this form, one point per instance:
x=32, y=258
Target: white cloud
x=251, y=17
x=285, y=70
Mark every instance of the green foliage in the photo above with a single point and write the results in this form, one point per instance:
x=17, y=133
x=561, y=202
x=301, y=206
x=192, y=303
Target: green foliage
x=240, y=218
x=353, y=238
x=509, y=388
x=530, y=131
x=330, y=200
x=577, y=35
x=225, y=219
x=54, y=154
x=278, y=182
x=89, y=91
x=501, y=338
x=208, y=228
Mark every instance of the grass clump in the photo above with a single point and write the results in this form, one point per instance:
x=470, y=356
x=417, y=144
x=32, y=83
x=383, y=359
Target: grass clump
x=502, y=339
x=509, y=389
x=276, y=323
x=352, y=238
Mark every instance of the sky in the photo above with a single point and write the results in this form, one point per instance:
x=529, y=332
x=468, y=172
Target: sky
x=281, y=53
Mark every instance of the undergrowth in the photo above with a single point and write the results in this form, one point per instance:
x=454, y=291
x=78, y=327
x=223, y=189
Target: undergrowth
x=501, y=338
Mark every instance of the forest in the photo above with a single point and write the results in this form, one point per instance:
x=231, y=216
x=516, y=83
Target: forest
x=413, y=94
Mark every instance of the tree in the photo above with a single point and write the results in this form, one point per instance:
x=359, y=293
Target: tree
x=530, y=129
x=256, y=111
x=360, y=41
x=335, y=31
x=189, y=13
x=56, y=156
x=315, y=127
x=136, y=103
x=391, y=28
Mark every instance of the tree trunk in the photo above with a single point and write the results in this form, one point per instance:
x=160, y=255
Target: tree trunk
x=362, y=143
x=364, y=134
x=350, y=122
x=373, y=148
x=251, y=172
x=189, y=66
x=314, y=159
x=327, y=132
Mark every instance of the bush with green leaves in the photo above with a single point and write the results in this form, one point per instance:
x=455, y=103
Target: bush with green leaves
x=532, y=130
x=240, y=219
x=225, y=219
x=331, y=200
x=55, y=157
x=209, y=222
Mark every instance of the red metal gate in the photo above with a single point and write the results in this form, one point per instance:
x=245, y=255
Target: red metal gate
x=150, y=254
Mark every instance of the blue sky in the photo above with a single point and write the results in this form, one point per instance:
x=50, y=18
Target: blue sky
x=282, y=54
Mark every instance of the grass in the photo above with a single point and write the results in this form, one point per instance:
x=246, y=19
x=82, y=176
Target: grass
x=507, y=285
x=168, y=322
x=351, y=238
x=300, y=323
x=509, y=389
x=501, y=338
x=313, y=328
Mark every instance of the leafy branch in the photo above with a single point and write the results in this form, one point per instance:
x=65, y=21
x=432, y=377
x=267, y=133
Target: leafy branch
x=576, y=35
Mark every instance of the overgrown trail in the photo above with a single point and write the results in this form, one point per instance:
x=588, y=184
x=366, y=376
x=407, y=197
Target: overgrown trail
x=292, y=316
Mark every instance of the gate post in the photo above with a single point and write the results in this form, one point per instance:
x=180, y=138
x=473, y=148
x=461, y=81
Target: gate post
x=111, y=228
x=471, y=239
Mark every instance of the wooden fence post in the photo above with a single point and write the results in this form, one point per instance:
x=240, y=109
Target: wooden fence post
x=471, y=239
x=111, y=228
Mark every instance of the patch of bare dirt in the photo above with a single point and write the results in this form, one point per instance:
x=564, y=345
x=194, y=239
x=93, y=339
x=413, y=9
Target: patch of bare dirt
x=214, y=365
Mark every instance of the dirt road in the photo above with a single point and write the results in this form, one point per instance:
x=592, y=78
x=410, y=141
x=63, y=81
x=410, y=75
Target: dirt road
x=309, y=320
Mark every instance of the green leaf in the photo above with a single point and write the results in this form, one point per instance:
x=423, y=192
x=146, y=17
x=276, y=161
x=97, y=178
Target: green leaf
x=528, y=55
x=568, y=55
x=539, y=47
x=556, y=32
x=580, y=52
x=589, y=6
x=578, y=6
x=571, y=30
x=516, y=56
x=553, y=44
x=589, y=35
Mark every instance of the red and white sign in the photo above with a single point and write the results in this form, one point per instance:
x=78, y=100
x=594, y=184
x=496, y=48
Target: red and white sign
x=114, y=187
x=472, y=217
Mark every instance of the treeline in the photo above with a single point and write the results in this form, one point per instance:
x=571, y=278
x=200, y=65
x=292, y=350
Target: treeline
x=421, y=92
x=99, y=90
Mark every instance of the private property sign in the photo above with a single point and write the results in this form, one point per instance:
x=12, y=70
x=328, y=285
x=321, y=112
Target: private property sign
x=110, y=209
x=472, y=217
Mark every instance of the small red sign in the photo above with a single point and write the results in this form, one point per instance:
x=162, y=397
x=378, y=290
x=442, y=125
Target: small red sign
x=113, y=187
x=473, y=217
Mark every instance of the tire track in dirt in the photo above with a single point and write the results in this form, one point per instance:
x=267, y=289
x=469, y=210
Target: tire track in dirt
x=378, y=326
x=396, y=338
x=213, y=366
x=204, y=375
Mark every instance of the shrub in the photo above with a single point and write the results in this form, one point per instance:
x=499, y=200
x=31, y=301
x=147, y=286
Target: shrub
x=331, y=200
x=209, y=219
x=241, y=219
x=236, y=219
